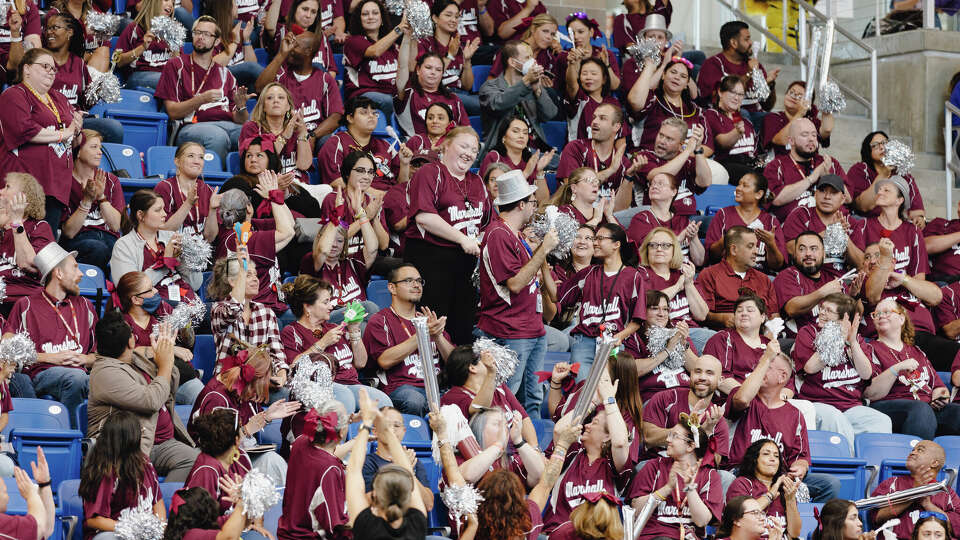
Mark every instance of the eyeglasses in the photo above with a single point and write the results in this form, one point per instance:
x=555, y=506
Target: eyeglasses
x=882, y=314
x=150, y=290
x=411, y=281
x=598, y=238
x=49, y=68
x=674, y=436
x=795, y=95
x=877, y=144
x=738, y=94
x=585, y=238
x=236, y=416
x=56, y=27
x=204, y=33
x=660, y=245
x=361, y=170
x=757, y=513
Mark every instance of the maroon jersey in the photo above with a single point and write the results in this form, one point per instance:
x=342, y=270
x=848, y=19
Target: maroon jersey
x=368, y=74
x=454, y=67
x=569, y=400
x=784, y=425
x=784, y=171
x=348, y=277
x=861, y=176
x=918, y=384
x=503, y=313
x=915, y=309
x=109, y=503
x=469, y=28
x=17, y=527
x=172, y=283
x=154, y=58
x=20, y=281
x=393, y=212
x=628, y=25
x=729, y=217
x=173, y=198
x=720, y=287
x=329, y=210
x=572, y=211
x=331, y=154
x=207, y=472
x=910, y=251
x=580, y=153
x=737, y=358
x=21, y=119
x=579, y=476
x=808, y=219
x=776, y=121
x=608, y=302
x=182, y=78
x=679, y=304
x=656, y=110
x=215, y=395
x=840, y=386
x=141, y=334
x=112, y=191
x=718, y=66
x=54, y=326
x=287, y=155
x=946, y=263
x=297, y=338
x=663, y=410
x=72, y=78
x=792, y=283
x=32, y=25
x=502, y=10
x=684, y=203
x=411, y=111
x=386, y=329
x=595, y=52
x=719, y=124
x=667, y=517
x=262, y=247
x=247, y=9
x=463, y=204
x=948, y=310
x=317, y=96
x=948, y=501
x=502, y=398
x=494, y=156
x=776, y=513
x=318, y=480
x=646, y=221
x=580, y=111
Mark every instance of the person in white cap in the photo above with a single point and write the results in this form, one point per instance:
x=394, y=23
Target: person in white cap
x=61, y=324
x=511, y=308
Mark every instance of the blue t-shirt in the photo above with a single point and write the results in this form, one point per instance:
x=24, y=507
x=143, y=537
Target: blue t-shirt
x=373, y=463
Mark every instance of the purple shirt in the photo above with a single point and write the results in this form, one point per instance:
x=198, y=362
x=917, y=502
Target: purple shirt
x=579, y=476
x=946, y=262
x=918, y=384
x=664, y=408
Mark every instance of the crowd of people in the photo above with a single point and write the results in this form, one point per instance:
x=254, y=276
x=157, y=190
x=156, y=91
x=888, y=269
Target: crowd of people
x=823, y=299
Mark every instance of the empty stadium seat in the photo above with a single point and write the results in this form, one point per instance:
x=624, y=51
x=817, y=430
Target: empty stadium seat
x=476, y=122
x=134, y=100
x=71, y=509
x=202, y=293
x=141, y=129
x=133, y=185
x=81, y=418
x=263, y=58
x=714, y=198
x=93, y=285
x=60, y=446
x=233, y=163
x=830, y=454
x=120, y=158
x=807, y=517
x=877, y=447
x=205, y=355
x=37, y=413
x=951, y=447
x=480, y=75
x=167, y=489
x=378, y=294
x=271, y=434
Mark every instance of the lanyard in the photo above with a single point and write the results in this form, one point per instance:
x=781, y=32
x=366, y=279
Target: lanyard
x=194, y=90
x=607, y=296
x=75, y=334
x=47, y=101
x=403, y=322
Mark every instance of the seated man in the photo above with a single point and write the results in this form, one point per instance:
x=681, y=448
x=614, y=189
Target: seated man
x=942, y=240
x=924, y=463
x=720, y=283
x=677, y=153
x=828, y=209
x=126, y=380
x=204, y=94
x=763, y=414
x=61, y=324
x=391, y=341
x=379, y=458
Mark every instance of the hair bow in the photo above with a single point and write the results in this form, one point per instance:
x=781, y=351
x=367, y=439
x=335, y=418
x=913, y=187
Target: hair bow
x=682, y=60
x=692, y=422
x=276, y=196
x=114, y=297
x=523, y=25
x=175, y=502
x=327, y=420
x=595, y=497
x=247, y=372
x=450, y=126
x=585, y=19
x=568, y=382
x=816, y=516
x=267, y=141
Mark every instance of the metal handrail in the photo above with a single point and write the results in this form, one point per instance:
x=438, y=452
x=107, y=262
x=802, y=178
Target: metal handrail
x=949, y=150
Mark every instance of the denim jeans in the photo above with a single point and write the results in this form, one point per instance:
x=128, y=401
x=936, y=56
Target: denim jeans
x=68, y=385
x=700, y=336
x=471, y=102
x=349, y=396
x=849, y=423
x=218, y=137
x=557, y=340
x=382, y=101
x=187, y=392
x=914, y=417
x=94, y=246
x=21, y=386
x=523, y=383
x=583, y=349
x=112, y=131
x=410, y=399
x=823, y=486
x=144, y=79
x=246, y=73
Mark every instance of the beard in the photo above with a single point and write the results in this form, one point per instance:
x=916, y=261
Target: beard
x=701, y=394
x=202, y=50
x=809, y=270
x=805, y=154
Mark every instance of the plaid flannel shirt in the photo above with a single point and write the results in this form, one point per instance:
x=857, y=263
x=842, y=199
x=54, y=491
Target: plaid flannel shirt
x=226, y=320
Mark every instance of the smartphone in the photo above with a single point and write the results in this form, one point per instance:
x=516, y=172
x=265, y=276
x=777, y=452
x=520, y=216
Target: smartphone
x=736, y=117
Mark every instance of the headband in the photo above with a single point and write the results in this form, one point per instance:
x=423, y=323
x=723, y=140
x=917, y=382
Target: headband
x=585, y=19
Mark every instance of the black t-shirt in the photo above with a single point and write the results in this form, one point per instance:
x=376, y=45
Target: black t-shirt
x=371, y=527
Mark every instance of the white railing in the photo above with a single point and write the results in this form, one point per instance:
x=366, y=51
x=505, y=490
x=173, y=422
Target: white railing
x=951, y=169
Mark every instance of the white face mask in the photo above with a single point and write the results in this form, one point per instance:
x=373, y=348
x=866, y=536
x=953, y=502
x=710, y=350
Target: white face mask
x=527, y=66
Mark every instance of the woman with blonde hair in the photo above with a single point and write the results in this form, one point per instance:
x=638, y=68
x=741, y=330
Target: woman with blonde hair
x=22, y=203
x=187, y=198
x=541, y=36
x=281, y=129
x=139, y=54
x=596, y=518
x=577, y=195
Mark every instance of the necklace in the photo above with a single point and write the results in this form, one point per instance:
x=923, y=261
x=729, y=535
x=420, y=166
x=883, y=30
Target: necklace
x=669, y=108
x=47, y=102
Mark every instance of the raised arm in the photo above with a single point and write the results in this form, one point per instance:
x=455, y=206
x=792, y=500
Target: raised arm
x=357, y=500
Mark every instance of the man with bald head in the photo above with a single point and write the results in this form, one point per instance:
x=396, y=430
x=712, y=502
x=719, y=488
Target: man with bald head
x=791, y=176
x=662, y=411
x=315, y=92
x=924, y=463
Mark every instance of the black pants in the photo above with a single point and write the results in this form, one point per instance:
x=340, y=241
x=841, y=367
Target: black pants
x=449, y=290
x=54, y=211
x=940, y=350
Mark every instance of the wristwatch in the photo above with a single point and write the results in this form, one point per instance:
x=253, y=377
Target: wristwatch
x=610, y=401
x=17, y=227
x=698, y=151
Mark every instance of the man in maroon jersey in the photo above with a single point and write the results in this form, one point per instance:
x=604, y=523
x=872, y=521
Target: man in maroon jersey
x=763, y=414
x=677, y=151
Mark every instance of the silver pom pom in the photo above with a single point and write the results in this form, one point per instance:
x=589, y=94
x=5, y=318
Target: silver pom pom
x=139, y=522
x=262, y=13
x=657, y=338
x=5, y=8
x=831, y=98
x=258, y=494
x=396, y=7
x=19, y=349
x=644, y=50
x=3, y=289
x=565, y=226
x=168, y=30
x=899, y=156
x=312, y=382
x=186, y=313
x=102, y=25
x=462, y=500
x=835, y=240
x=759, y=90
x=418, y=15
x=195, y=252
x=104, y=87
x=803, y=493
x=505, y=358
x=830, y=344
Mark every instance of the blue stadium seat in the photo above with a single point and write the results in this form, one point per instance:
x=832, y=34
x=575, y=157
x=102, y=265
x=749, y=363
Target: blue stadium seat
x=187, y=48
x=37, y=413
x=141, y=129
x=60, y=446
x=183, y=411
x=544, y=431
x=556, y=133
x=945, y=377
x=134, y=100
x=480, y=74
x=877, y=447
x=167, y=489
x=552, y=183
x=951, y=447
x=417, y=437
x=476, y=122
x=93, y=285
x=830, y=453
x=714, y=198
x=159, y=161
x=133, y=185
x=380, y=131
x=271, y=434
x=263, y=58
x=121, y=157
x=233, y=163
x=806, y=515
x=378, y=294
x=81, y=418
x=71, y=509
x=205, y=355
x=338, y=60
